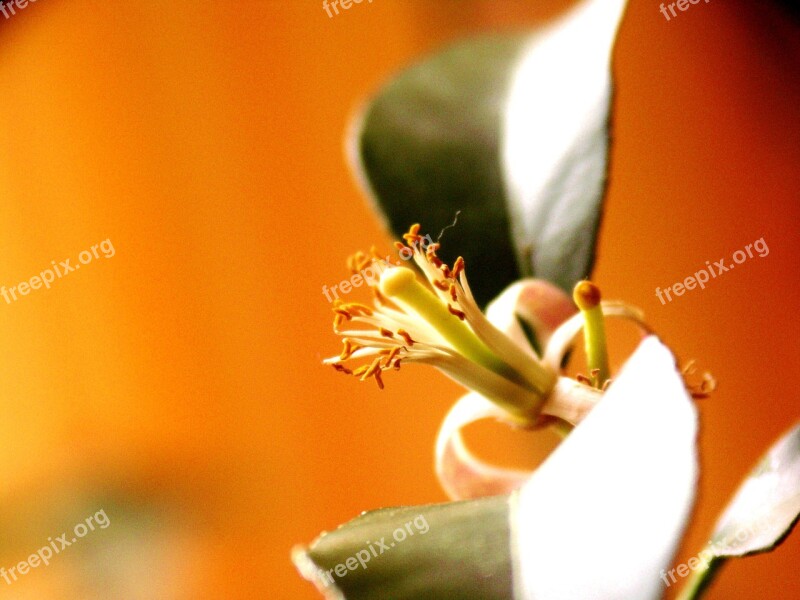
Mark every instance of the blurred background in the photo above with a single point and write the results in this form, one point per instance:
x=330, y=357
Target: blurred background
x=177, y=385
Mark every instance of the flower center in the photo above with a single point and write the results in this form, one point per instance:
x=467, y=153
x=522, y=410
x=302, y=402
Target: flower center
x=401, y=286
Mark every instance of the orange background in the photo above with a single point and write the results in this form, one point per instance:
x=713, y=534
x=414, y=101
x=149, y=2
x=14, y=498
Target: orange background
x=177, y=385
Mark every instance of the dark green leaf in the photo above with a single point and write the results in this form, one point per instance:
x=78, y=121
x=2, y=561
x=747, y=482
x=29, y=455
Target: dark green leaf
x=513, y=132
x=429, y=146
x=458, y=550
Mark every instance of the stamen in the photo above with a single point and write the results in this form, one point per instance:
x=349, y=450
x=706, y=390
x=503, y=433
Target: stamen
x=346, y=349
x=375, y=366
x=356, y=308
x=441, y=284
x=391, y=355
x=458, y=313
x=449, y=330
x=343, y=313
x=698, y=390
x=378, y=379
x=401, y=285
x=587, y=298
x=341, y=368
x=405, y=335
x=413, y=234
x=458, y=266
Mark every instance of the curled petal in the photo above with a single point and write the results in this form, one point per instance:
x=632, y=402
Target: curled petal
x=542, y=305
x=461, y=473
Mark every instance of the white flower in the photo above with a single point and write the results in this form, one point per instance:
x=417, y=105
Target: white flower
x=441, y=325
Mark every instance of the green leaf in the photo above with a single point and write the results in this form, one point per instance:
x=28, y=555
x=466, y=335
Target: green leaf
x=458, y=550
x=762, y=513
x=429, y=145
x=766, y=506
x=513, y=132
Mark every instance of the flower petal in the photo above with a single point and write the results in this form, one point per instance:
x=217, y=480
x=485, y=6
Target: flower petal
x=461, y=473
x=556, y=141
x=539, y=303
x=615, y=495
x=767, y=504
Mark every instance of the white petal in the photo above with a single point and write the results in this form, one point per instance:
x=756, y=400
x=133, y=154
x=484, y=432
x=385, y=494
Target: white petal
x=461, y=473
x=605, y=513
x=556, y=141
x=571, y=400
x=541, y=304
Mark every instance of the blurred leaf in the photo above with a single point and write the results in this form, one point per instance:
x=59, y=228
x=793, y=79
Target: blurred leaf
x=512, y=131
x=760, y=516
x=766, y=506
x=429, y=145
x=458, y=550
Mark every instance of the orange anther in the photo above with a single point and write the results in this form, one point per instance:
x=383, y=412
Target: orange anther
x=456, y=312
x=404, y=334
x=458, y=267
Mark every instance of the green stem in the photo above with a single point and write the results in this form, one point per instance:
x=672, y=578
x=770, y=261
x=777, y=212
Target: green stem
x=701, y=579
